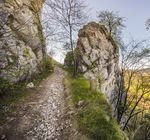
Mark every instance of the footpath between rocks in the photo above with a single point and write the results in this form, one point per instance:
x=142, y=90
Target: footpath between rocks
x=46, y=115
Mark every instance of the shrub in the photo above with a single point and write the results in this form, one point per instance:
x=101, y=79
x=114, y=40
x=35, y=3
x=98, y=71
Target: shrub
x=68, y=62
x=47, y=65
x=7, y=87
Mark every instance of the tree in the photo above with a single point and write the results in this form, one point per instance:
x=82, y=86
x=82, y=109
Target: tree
x=135, y=82
x=69, y=16
x=112, y=21
x=133, y=88
x=68, y=61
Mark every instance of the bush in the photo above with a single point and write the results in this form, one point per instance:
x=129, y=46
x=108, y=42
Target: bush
x=68, y=62
x=7, y=87
x=48, y=65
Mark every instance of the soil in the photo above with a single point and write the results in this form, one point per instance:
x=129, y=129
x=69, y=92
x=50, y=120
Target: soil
x=45, y=115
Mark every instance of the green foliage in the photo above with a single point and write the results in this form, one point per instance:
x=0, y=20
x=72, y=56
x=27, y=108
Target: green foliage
x=69, y=60
x=95, y=117
x=47, y=65
x=73, y=64
x=6, y=87
x=11, y=92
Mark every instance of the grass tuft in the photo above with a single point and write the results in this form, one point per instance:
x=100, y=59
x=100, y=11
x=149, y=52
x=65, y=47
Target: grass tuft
x=95, y=119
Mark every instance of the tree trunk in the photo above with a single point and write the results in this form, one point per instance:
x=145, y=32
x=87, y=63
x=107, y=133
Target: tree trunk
x=130, y=115
x=72, y=49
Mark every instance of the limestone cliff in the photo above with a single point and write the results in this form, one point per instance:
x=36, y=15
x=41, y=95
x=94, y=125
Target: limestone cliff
x=22, y=43
x=100, y=58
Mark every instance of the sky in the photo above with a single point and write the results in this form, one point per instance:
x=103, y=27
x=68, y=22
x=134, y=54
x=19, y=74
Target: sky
x=135, y=13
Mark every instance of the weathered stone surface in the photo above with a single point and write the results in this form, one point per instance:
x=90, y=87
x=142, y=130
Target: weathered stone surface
x=22, y=44
x=30, y=85
x=100, y=58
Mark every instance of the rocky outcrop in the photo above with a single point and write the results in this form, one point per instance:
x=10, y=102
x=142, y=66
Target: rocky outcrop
x=22, y=44
x=100, y=58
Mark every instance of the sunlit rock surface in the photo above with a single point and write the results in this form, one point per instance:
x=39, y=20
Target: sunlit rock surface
x=100, y=58
x=22, y=44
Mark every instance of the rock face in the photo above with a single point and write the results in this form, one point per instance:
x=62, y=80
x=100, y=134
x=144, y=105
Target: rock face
x=22, y=44
x=100, y=58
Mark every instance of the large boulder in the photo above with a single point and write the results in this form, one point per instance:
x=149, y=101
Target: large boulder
x=22, y=43
x=100, y=58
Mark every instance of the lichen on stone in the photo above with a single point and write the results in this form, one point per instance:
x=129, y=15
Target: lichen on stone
x=22, y=44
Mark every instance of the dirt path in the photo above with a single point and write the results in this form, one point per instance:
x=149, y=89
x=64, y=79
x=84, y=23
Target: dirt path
x=44, y=116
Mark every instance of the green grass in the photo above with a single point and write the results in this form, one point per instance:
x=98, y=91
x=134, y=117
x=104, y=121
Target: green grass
x=94, y=119
x=13, y=93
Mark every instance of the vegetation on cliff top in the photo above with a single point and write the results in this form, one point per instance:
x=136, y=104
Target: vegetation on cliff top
x=94, y=114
